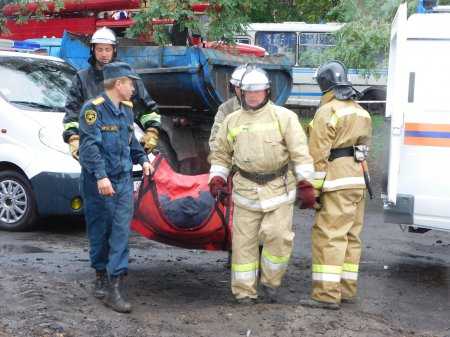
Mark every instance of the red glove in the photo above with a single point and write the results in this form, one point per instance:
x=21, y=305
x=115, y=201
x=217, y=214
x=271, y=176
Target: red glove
x=217, y=186
x=305, y=195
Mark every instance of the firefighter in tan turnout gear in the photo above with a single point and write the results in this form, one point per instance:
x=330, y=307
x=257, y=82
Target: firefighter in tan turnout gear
x=259, y=140
x=231, y=105
x=339, y=136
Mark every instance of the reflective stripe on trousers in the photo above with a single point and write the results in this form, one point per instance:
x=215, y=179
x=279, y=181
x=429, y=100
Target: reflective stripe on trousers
x=245, y=271
x=348, y=271
x=326, y=273
x=336, y=245
x=274, y=263
x=274, y=230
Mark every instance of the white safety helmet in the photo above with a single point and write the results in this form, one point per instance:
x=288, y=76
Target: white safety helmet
x=104, y=35
x=254, y=79
x=237, y=74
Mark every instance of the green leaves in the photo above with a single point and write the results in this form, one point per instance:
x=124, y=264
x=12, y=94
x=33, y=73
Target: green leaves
x=363, y=43
x=225, y=19
x=24, y=15
x=177, y=10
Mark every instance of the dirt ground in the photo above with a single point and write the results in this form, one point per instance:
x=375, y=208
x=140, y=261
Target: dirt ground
x=46, y=284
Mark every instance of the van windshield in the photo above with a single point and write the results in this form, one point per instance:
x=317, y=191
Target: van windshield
x=35, y=84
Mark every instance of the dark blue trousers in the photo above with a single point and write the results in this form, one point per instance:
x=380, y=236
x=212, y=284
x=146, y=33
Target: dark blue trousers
x=108, y=222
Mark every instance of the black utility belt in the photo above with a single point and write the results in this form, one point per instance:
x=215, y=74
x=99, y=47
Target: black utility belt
x=341, y=152
x=263, y=178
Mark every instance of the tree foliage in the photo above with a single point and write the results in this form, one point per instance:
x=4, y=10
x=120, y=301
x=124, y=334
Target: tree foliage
x=363, y=42
x=23, y=15
x=225, y=18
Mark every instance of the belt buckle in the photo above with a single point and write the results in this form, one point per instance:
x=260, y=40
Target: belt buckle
x=264, y=178
x=260, y=179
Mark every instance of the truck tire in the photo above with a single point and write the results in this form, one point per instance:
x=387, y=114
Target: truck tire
x=17, y=202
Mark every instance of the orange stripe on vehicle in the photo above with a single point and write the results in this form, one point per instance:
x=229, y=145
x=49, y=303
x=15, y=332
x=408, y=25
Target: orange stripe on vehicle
x=426, y=127
x=427, y=141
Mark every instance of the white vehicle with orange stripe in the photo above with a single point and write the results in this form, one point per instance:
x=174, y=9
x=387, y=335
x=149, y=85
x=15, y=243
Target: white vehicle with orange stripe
x=418, y=183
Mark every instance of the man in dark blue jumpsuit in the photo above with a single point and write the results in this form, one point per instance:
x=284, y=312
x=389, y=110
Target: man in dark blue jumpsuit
x=108, y=149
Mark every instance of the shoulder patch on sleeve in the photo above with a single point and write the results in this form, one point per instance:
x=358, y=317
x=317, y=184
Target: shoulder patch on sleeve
x=98, y=100
x=90, y=116
x=127, y=103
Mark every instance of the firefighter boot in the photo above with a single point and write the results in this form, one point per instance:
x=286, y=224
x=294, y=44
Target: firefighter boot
x=270, y=294
x=246, y=301
x=101, y=284
x=352, y=300
x=115, y=298
x=319, y=304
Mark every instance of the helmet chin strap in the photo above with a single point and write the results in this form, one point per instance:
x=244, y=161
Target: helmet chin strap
x=249, y=108
x=95, y=62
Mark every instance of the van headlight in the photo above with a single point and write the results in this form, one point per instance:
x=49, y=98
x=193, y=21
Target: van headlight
x=53, y=139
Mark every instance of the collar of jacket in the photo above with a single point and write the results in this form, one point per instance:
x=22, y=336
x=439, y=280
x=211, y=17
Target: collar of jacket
x=255, y=112
x=327, y=97
x=117, y=110
x=97, y=74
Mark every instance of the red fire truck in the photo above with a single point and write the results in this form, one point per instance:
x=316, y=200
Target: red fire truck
x=84, y=17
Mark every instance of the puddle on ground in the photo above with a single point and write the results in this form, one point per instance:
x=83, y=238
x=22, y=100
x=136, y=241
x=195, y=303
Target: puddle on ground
x=21, y=249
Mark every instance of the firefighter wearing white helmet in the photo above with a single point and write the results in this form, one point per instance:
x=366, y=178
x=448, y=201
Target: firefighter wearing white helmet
x=230, y=105
x=259, y=140
x=88, y=83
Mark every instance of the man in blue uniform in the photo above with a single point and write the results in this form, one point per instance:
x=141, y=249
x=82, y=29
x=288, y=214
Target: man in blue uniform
x=108, y=149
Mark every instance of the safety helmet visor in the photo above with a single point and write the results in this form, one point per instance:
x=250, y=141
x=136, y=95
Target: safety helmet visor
x=237, y=74
x=255, y=80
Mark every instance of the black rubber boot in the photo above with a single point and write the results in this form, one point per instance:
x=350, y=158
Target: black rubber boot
x=115, y=298
x=100, y=284
x=246, y=301
x=352, y=300
x=310, y=303
x=270, y=294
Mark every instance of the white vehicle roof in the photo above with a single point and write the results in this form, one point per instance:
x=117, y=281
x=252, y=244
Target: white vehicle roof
x=435, y=25
x=295, y=27
x=29, y=55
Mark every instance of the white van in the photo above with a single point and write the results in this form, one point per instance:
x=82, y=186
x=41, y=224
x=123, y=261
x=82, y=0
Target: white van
x=38, y=176
x=418, y=175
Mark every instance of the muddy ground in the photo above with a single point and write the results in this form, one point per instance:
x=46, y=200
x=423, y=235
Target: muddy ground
x=45, y=287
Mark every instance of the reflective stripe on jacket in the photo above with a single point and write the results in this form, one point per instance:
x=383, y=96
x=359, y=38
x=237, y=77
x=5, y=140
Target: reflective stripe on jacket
x=262, y=141
x=338, y=124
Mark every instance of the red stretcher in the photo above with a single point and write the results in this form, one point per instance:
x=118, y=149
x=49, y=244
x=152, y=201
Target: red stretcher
x=178, y=210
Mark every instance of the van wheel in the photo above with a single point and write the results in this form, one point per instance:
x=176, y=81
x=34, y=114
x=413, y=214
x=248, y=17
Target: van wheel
x=17, y=202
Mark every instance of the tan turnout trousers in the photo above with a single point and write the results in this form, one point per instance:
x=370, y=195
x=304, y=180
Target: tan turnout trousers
x=250, y=228
x=336, y=245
